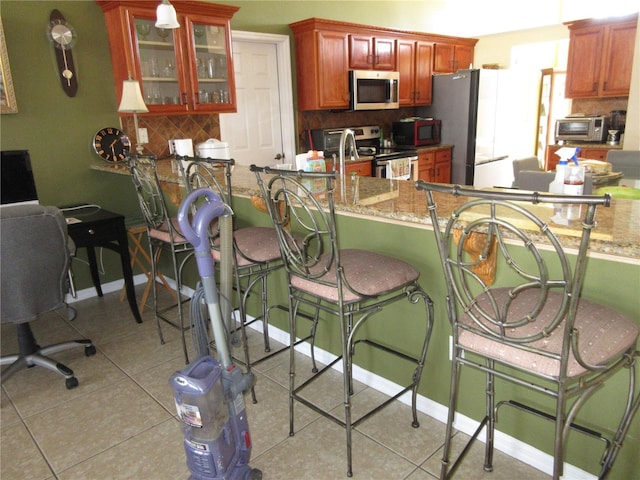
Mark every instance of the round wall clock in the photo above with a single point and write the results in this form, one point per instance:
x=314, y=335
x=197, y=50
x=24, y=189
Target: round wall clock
x=63, y=37
x=111, y=144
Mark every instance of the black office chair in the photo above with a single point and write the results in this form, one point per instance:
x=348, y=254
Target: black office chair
x=515, y=307
x=35, y=266
x=348, y=285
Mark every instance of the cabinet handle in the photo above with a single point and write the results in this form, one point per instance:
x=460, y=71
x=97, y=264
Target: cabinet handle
x=371, y=59
x=91, y=231
x=184, y=98
x=377, y=58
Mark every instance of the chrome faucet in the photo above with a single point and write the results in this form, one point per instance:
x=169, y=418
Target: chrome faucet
x=347, y=135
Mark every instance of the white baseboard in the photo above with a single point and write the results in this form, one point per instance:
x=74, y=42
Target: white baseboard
x=116, y=286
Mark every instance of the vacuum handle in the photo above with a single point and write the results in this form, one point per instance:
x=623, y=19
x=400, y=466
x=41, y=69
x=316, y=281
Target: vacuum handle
x=196, y=230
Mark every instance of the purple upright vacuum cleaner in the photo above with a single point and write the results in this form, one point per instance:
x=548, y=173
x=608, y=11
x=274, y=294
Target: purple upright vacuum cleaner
x=209, y=392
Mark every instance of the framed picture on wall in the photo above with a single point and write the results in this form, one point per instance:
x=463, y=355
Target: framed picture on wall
x=7, y=95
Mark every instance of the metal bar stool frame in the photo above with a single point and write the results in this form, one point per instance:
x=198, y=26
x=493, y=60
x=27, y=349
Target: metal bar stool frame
x=318, y=278
x=532, y=320
x=251, y=269
x=163, y=235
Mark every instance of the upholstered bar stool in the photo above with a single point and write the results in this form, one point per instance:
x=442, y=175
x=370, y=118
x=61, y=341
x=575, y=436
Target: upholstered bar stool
x=515, y=306
x=257, y=253
x=344, y=287
x=163, y=233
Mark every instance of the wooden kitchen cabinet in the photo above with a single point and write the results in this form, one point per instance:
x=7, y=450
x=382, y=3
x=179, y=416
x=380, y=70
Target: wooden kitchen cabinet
x=449, y=58
x=322, y=65
x=600, y=57
x=181, y=71
x=434, y=165
x=591, y=153
x=368, y=52
x=327, y=49
x=362, y=169
x=414, y=60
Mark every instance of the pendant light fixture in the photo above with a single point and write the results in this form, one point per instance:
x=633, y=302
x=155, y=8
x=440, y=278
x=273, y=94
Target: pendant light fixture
x=166, y=16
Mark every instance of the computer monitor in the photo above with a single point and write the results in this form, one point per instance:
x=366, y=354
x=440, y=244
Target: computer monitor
x=18, y=184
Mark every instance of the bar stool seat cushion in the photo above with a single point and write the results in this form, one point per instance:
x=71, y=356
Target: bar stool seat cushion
x=368, y=273
x=162, y=232
x=253, y=245
x=604, y=334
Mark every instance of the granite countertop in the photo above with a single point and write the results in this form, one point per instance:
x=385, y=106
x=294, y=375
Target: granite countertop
x=616, y=237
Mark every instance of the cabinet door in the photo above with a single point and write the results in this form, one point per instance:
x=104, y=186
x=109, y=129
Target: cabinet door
x=443, y=166
x=423, y=77
x=443, y=58
x=426, y=166
x=462, y=57
x=158, y=64
x=551, y=159
x=407, y=68
x=618, y=59
x=413, y=61
x=367, y=53
x=211, y=76
x=583, y=64
x=384, y=53
x=333, y=70
x=360, y=52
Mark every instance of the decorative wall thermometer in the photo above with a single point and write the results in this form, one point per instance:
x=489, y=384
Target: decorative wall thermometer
x=63, y=37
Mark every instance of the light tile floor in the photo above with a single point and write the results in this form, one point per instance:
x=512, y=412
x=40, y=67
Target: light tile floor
x=120, y=422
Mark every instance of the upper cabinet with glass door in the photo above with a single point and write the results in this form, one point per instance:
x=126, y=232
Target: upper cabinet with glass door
x=181, y=71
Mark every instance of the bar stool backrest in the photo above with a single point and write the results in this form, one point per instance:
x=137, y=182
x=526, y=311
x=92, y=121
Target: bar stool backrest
x=487, y=232
x=150, y=196
x=306, y=226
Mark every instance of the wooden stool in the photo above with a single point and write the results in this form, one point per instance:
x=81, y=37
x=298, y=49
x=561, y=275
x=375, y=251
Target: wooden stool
x=140, y=257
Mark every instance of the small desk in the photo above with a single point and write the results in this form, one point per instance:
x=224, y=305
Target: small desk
x=101, y=228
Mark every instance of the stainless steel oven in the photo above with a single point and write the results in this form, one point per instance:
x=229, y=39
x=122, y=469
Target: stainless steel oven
x=368, y=144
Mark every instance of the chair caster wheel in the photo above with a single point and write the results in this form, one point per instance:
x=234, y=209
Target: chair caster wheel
x=71, y=383
x=90, y=350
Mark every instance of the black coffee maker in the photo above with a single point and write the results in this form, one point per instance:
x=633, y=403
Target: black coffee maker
x=616, y=126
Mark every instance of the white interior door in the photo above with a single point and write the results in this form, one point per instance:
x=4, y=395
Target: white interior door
x=262, y=131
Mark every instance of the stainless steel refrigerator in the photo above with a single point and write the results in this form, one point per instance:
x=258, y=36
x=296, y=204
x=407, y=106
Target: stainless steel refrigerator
x=455, y=103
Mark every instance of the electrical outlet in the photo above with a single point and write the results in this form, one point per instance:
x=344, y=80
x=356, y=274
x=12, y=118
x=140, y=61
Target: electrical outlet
x=172, y=147
x=143, y=136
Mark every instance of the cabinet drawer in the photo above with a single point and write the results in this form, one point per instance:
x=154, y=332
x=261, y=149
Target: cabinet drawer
x=93, y=234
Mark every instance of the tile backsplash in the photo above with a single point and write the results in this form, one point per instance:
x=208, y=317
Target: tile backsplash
x=161, y=129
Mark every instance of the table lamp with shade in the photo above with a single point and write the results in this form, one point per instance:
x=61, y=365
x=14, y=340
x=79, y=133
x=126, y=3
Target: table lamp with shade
x=132, y=102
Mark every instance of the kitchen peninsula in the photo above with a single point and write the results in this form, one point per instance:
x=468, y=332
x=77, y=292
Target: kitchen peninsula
x=617, y=234
x=391, y=216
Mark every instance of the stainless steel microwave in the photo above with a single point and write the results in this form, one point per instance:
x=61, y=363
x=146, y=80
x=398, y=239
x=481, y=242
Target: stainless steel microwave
x=373, y=90
x=582, y=129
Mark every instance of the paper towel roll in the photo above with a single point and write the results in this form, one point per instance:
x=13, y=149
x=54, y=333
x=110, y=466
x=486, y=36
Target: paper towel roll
x=183, y=147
